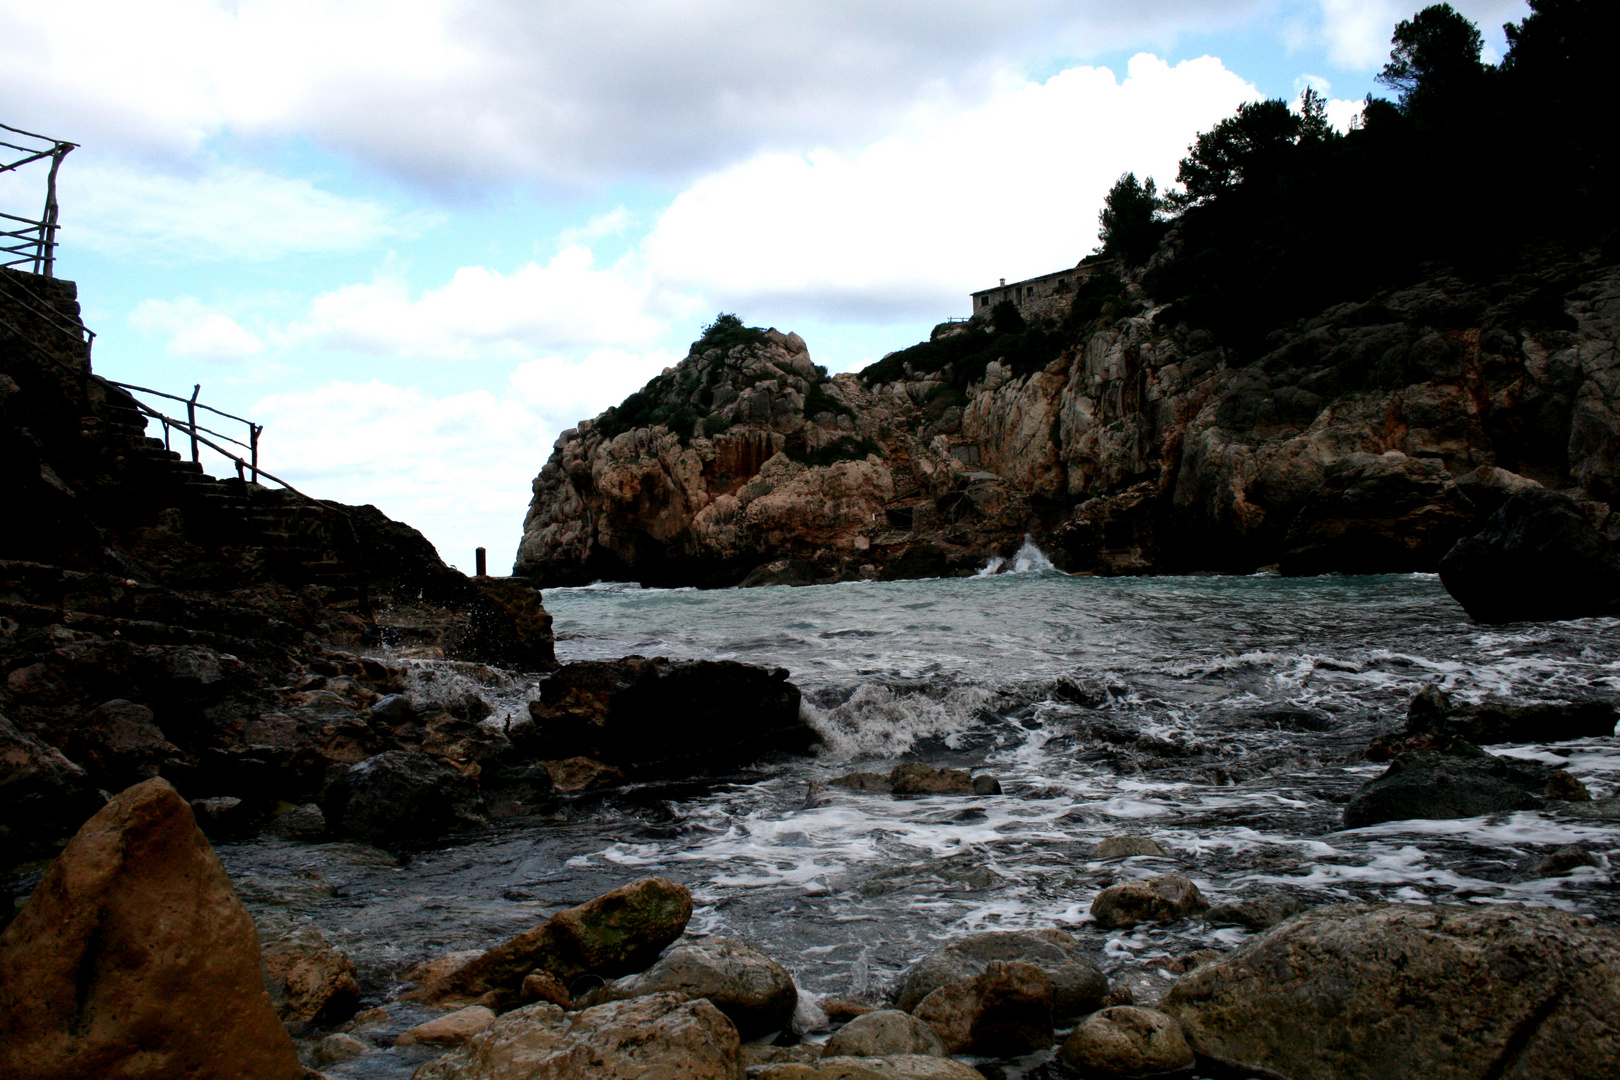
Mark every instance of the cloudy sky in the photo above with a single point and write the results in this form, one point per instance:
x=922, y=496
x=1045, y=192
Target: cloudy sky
x=419, y=238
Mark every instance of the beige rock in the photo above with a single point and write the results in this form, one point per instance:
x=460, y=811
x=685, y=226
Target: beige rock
x=134, y=958
x=755, y=991
x=888, y=1067
x=1005, y=1010
x=430, y=971
x=1078, y=985
x=544, y=986
x=754, y=1055
x=883, y=1032
x=576, y=774
x=310, y=981
x=658, y=1037
x=1125, y=847
x=1399, y=992
x=451, y=1029
x=1126, y=1042
x=1159, y=899
x=338, y=1047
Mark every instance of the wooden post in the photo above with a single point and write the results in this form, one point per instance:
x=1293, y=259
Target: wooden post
x=478, y=558
x=47, y=226
x=191, y=420
x=253, y=438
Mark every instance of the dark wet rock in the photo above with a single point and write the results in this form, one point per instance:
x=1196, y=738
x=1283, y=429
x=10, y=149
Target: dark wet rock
x=1291, y=719
x=662, y=1035
x=403, y=795
x=1003, y=1011
x=1255, y=912
x=1565, y=860
x=1433, y=713
x=41, y=791
x=393, y=709
x=310, y=982
x=618, y=933
x=985, y=784
x=515, y=788
x=134, y=958
x=508, y=626
x=665, y=716
x=1561, y=785
x=120, y=744
x=1539, y=557
x=917, y=778
x=783, y=572
x=1078, y=985
x=1393, y=991
x=305, y=822
x=1460, y=781
x=882, y=1032
x=745, y=984
x=1126, y=847
x=1162, y=899
x=1184, y=963
x=1125, y=1042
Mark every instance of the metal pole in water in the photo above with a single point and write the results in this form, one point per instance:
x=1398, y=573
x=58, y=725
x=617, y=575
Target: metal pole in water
x=478, y=557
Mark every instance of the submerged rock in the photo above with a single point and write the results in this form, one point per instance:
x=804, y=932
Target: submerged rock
x=1255, y=912
x=1428, y=993
x=1078, y=985
x=1126, y=1042
x=1432, y=712
x=745, y=984
x=404, y=795
x=1160, y=899
x=664, y=716
x=658, y=1037
x=1126, y=847
x=916, y=778
x=134, y=958
x=1539, y=557
x=618, y=933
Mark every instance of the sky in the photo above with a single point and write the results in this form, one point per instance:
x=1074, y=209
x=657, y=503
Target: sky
x=419, y=239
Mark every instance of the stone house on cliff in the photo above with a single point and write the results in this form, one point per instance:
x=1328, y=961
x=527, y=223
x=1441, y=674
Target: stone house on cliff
x=1047, y=296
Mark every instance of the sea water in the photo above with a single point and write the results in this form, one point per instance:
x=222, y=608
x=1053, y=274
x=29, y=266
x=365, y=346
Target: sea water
x=1224, y=717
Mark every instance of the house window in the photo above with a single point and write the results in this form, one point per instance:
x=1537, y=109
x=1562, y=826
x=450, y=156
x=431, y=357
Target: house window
x=1032, y=290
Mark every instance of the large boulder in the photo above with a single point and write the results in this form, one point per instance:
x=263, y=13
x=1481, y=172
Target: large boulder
x=1005, y=1010
x=120, y=743
x=1457, y=782
x=664, y=716
x=403, y=795
x=618, y=933
x=1390, y=992
x=1432, y=712
x=1125, y=1042
x=1078, y=985
x=1539, y=557
x=134, y=958
x=745, y=984
x=1161, y=899
x=658, y=1037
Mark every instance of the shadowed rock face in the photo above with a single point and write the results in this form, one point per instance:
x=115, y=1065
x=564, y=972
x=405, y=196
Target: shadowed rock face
x=134, y=958
x=1358, y=992
x=1370, y=438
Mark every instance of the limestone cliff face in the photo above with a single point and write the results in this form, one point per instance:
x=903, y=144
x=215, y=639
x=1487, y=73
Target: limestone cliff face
x=1369, y=438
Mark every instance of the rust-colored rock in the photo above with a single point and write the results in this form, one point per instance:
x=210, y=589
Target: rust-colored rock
x=135, y=959
x=310, y=981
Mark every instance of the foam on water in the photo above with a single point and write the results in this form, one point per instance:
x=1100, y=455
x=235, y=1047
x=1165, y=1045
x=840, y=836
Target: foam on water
x=1224, y=717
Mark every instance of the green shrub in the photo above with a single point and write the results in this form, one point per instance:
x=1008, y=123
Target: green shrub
x=726, y=333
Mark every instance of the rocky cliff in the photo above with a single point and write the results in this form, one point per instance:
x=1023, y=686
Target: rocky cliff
x=1368, y=438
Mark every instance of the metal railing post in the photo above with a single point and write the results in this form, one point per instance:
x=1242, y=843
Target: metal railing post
x=253, y=438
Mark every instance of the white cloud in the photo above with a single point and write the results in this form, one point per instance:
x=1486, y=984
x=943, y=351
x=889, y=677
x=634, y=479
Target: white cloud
x=481, y=313
x=914, y=222
x=566, y=391
x=1358, y=31
x=196, y=332
x=221, y=212
x=454, y=92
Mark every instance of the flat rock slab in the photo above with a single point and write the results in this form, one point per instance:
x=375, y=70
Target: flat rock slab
x=1395, y=992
